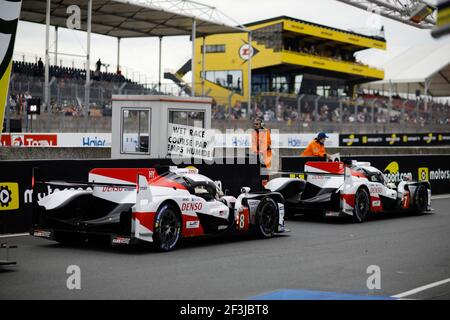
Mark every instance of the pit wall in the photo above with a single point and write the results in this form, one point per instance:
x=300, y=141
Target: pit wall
x=233, y=173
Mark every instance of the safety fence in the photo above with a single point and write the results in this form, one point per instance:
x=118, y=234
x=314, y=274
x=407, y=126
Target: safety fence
x=70, y=119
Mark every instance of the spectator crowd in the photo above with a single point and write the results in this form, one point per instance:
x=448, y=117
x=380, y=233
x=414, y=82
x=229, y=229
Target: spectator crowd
x=68, y=85
x=363, y=109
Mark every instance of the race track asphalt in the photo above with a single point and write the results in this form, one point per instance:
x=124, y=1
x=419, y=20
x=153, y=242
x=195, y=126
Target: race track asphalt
x=326, y=255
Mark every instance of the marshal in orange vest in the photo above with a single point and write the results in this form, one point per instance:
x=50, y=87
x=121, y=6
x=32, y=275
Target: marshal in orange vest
x=262, y=145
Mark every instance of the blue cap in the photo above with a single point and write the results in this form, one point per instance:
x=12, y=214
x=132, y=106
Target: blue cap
x=322, y=135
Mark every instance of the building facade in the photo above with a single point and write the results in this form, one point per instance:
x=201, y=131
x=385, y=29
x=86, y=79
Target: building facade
x=289, y=56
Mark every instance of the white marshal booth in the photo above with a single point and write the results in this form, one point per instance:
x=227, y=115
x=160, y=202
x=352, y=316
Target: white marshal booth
x=146, y=126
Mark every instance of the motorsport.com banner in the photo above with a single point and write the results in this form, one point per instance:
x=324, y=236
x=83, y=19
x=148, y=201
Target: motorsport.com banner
x=394, y=139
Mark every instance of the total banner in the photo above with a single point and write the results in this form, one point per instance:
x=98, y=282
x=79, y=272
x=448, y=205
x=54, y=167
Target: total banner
x=394, y=139
x=71, y=140
x=434, y=168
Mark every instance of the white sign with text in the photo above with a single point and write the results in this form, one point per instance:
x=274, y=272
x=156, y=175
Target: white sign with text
x=190, y=142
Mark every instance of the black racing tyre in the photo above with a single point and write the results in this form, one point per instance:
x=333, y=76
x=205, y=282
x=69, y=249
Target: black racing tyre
x=362, y=205
x=167, y=228
x=420, y=199
x=266, y=218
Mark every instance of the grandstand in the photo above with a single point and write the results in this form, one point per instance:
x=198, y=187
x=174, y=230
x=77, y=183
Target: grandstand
x=369, y=111
x=304, y=76
x=289, y=56
x=67, y=86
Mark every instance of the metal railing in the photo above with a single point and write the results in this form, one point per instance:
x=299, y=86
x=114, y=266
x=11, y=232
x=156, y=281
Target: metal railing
x=285, y=112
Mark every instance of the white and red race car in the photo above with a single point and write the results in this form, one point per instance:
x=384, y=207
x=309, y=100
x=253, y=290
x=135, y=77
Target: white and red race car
x=349, y=189
x=158, y=205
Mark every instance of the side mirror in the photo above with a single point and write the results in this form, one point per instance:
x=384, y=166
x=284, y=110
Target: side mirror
x=245, y=190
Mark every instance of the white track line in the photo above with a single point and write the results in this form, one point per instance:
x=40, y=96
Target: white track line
x=14, y=235
x=441, y=196
x=419, y=289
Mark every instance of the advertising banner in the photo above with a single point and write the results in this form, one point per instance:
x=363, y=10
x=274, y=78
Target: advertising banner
x=394, y=139
x=301, y=140
x=84, y=139
x=236, y=139
x=71, y=140
x=34, y=140
x=279, y=140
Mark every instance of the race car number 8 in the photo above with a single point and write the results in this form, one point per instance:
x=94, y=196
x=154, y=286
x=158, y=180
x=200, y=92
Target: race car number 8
x=242, y=221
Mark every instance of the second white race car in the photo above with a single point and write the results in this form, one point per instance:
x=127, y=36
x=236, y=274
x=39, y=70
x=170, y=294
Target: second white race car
x=353, y=189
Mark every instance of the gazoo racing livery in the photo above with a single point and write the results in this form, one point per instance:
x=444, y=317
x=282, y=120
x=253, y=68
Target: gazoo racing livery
x=150, y=205
x=350, y=189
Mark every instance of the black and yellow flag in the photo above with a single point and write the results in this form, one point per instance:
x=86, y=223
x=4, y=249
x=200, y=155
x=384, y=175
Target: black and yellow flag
x=9, y=18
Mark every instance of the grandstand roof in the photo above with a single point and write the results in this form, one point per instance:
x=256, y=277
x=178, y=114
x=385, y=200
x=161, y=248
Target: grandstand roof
x=255, y=23
x=410, y=70
x=138, y=18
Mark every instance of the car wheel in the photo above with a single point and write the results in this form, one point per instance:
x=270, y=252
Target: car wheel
x=362, y=205
x=420, y=199
x=266, y=218
x=167, y=228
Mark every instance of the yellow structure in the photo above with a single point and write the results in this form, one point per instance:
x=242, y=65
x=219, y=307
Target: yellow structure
x=289, y=56
x=7, y=39
x=443, y=19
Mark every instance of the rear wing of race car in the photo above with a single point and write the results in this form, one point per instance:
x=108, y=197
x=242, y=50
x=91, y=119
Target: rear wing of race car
x=108, y=178
x=38, y=181
x=100, y=207
x=103, y=177
x=318, y=168
x=42, y=188
x=315, y=170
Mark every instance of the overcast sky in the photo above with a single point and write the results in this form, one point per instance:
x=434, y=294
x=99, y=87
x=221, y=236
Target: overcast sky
x=141, y=55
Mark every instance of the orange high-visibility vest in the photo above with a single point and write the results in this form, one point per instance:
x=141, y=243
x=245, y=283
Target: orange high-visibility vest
x=261, y=144
x=314, y=149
